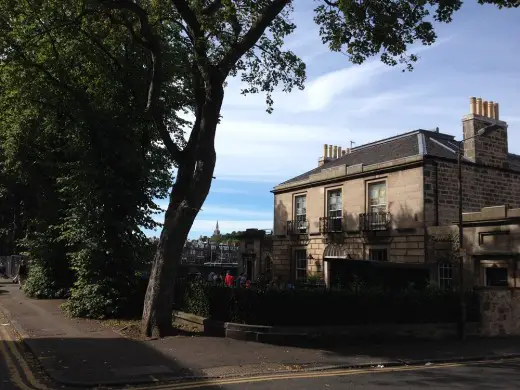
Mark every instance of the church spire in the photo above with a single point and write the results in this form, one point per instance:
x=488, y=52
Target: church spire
x=217, y=230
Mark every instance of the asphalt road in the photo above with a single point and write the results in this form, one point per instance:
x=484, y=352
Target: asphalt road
x=483, y=376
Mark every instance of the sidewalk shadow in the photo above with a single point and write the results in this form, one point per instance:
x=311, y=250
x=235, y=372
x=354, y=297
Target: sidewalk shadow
x=91, y=362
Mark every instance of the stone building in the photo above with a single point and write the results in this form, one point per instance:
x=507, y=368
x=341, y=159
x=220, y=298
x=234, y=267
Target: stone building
x=371, y=205
x=491, y=264
x=491, y=248
x=256, y=254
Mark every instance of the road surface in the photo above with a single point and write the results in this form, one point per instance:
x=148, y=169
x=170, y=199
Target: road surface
x=493, y=375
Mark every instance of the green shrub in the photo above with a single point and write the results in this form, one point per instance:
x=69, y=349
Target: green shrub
x=311, y=307
x=49, y=276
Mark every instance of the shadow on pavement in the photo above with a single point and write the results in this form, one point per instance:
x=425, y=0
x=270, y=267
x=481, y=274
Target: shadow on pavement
x=105, y=361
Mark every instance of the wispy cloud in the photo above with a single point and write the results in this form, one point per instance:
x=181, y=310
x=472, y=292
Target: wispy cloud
x=324, y=89
x=227, y=212
x=227, y=226
x=206, y=226
x=228, y=190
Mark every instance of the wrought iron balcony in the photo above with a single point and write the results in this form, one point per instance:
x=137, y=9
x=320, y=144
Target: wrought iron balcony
x=331, y=225
x=297, y=227
x=374, y=221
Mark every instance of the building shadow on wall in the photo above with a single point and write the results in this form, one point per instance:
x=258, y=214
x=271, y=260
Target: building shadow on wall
x=281, y=217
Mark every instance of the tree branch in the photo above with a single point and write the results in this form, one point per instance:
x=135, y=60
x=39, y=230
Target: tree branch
x=151, y=42
x=331, y=3
x=213, y=7
x=195, y=31
x=252, y=35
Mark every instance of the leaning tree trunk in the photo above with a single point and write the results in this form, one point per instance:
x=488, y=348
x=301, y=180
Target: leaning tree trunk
x=188, y=194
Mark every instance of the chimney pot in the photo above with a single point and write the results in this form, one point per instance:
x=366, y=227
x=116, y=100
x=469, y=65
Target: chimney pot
x=485, y=108
x=325, y=151
x=340, y=151
x=343, y=152
x=330, y=151
x=472, y=105
x=491, y=110
x=496, y=111
x=479, y=106
x=334, y=152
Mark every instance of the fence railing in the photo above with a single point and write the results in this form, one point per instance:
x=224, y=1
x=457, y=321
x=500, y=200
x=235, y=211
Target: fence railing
x=331, y=225
x=299, y=226
x=374, y=221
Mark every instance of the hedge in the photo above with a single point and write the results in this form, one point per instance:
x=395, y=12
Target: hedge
x=317, y=307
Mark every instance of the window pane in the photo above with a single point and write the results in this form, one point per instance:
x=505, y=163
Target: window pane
x=300, y=202
x=445, y=276
x=300, y=259
x=496, y=277
x=377, y=194
x=334, y=205
x=378, y=254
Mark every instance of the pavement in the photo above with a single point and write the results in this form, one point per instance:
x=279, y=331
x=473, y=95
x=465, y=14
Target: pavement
x=85, y=353
x=503, y=375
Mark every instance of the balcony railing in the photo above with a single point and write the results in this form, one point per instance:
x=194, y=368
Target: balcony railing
x=374, y=221
x=297, y=227
x=331, y=225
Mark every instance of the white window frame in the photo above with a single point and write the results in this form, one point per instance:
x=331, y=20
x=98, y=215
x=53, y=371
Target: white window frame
x=335, y=216
x=379, y=206
x=445, y=276
x=300, y=255
x=300, y=217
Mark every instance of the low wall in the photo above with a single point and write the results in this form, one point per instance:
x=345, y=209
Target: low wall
x=500, y=311
x=376, y=332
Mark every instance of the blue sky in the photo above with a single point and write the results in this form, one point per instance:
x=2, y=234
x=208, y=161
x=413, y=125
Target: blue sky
x=474, y=56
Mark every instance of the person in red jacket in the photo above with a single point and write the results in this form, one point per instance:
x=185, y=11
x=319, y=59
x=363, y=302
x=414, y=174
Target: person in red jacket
x=229, y=280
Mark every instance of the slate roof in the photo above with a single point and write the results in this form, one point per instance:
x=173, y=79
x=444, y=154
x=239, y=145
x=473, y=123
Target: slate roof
x=417, y=142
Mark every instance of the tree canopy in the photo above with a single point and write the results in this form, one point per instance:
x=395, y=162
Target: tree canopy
x=92, y=97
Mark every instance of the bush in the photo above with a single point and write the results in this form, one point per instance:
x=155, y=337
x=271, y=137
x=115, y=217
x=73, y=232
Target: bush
x=50, y=276
x=311, y=307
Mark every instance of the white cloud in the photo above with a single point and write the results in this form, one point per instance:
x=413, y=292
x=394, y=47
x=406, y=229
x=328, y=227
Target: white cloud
x=222, y=212
x=323, y=90
x=318, y=93
x=263, y=152
x=226, y=212
x=228, y=190
x=207, y=226
x=227, y=226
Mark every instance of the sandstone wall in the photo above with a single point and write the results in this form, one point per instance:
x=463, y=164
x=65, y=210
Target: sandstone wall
x=500, y=312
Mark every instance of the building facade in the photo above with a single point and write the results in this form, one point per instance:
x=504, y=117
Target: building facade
x=491, y=249
x=374, y=203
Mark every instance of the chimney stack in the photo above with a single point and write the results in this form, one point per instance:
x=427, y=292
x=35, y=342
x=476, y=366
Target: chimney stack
x=490, y=148
x=488, y=109
x=326, y=155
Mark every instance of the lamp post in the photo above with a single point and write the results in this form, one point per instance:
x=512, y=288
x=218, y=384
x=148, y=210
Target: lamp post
x=462, y=320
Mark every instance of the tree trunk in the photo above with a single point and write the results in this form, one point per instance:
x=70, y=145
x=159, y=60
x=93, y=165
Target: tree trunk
x=187, y=196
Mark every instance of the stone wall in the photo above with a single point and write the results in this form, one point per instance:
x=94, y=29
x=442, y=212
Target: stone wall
x=489, y=149
x=482, y=187
x=500, y=312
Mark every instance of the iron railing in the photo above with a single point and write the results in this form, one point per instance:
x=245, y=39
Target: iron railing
x=300, y=226
x=331, y=225
x=374, y=221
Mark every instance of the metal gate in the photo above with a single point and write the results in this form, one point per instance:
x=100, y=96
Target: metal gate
x=11, y=263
